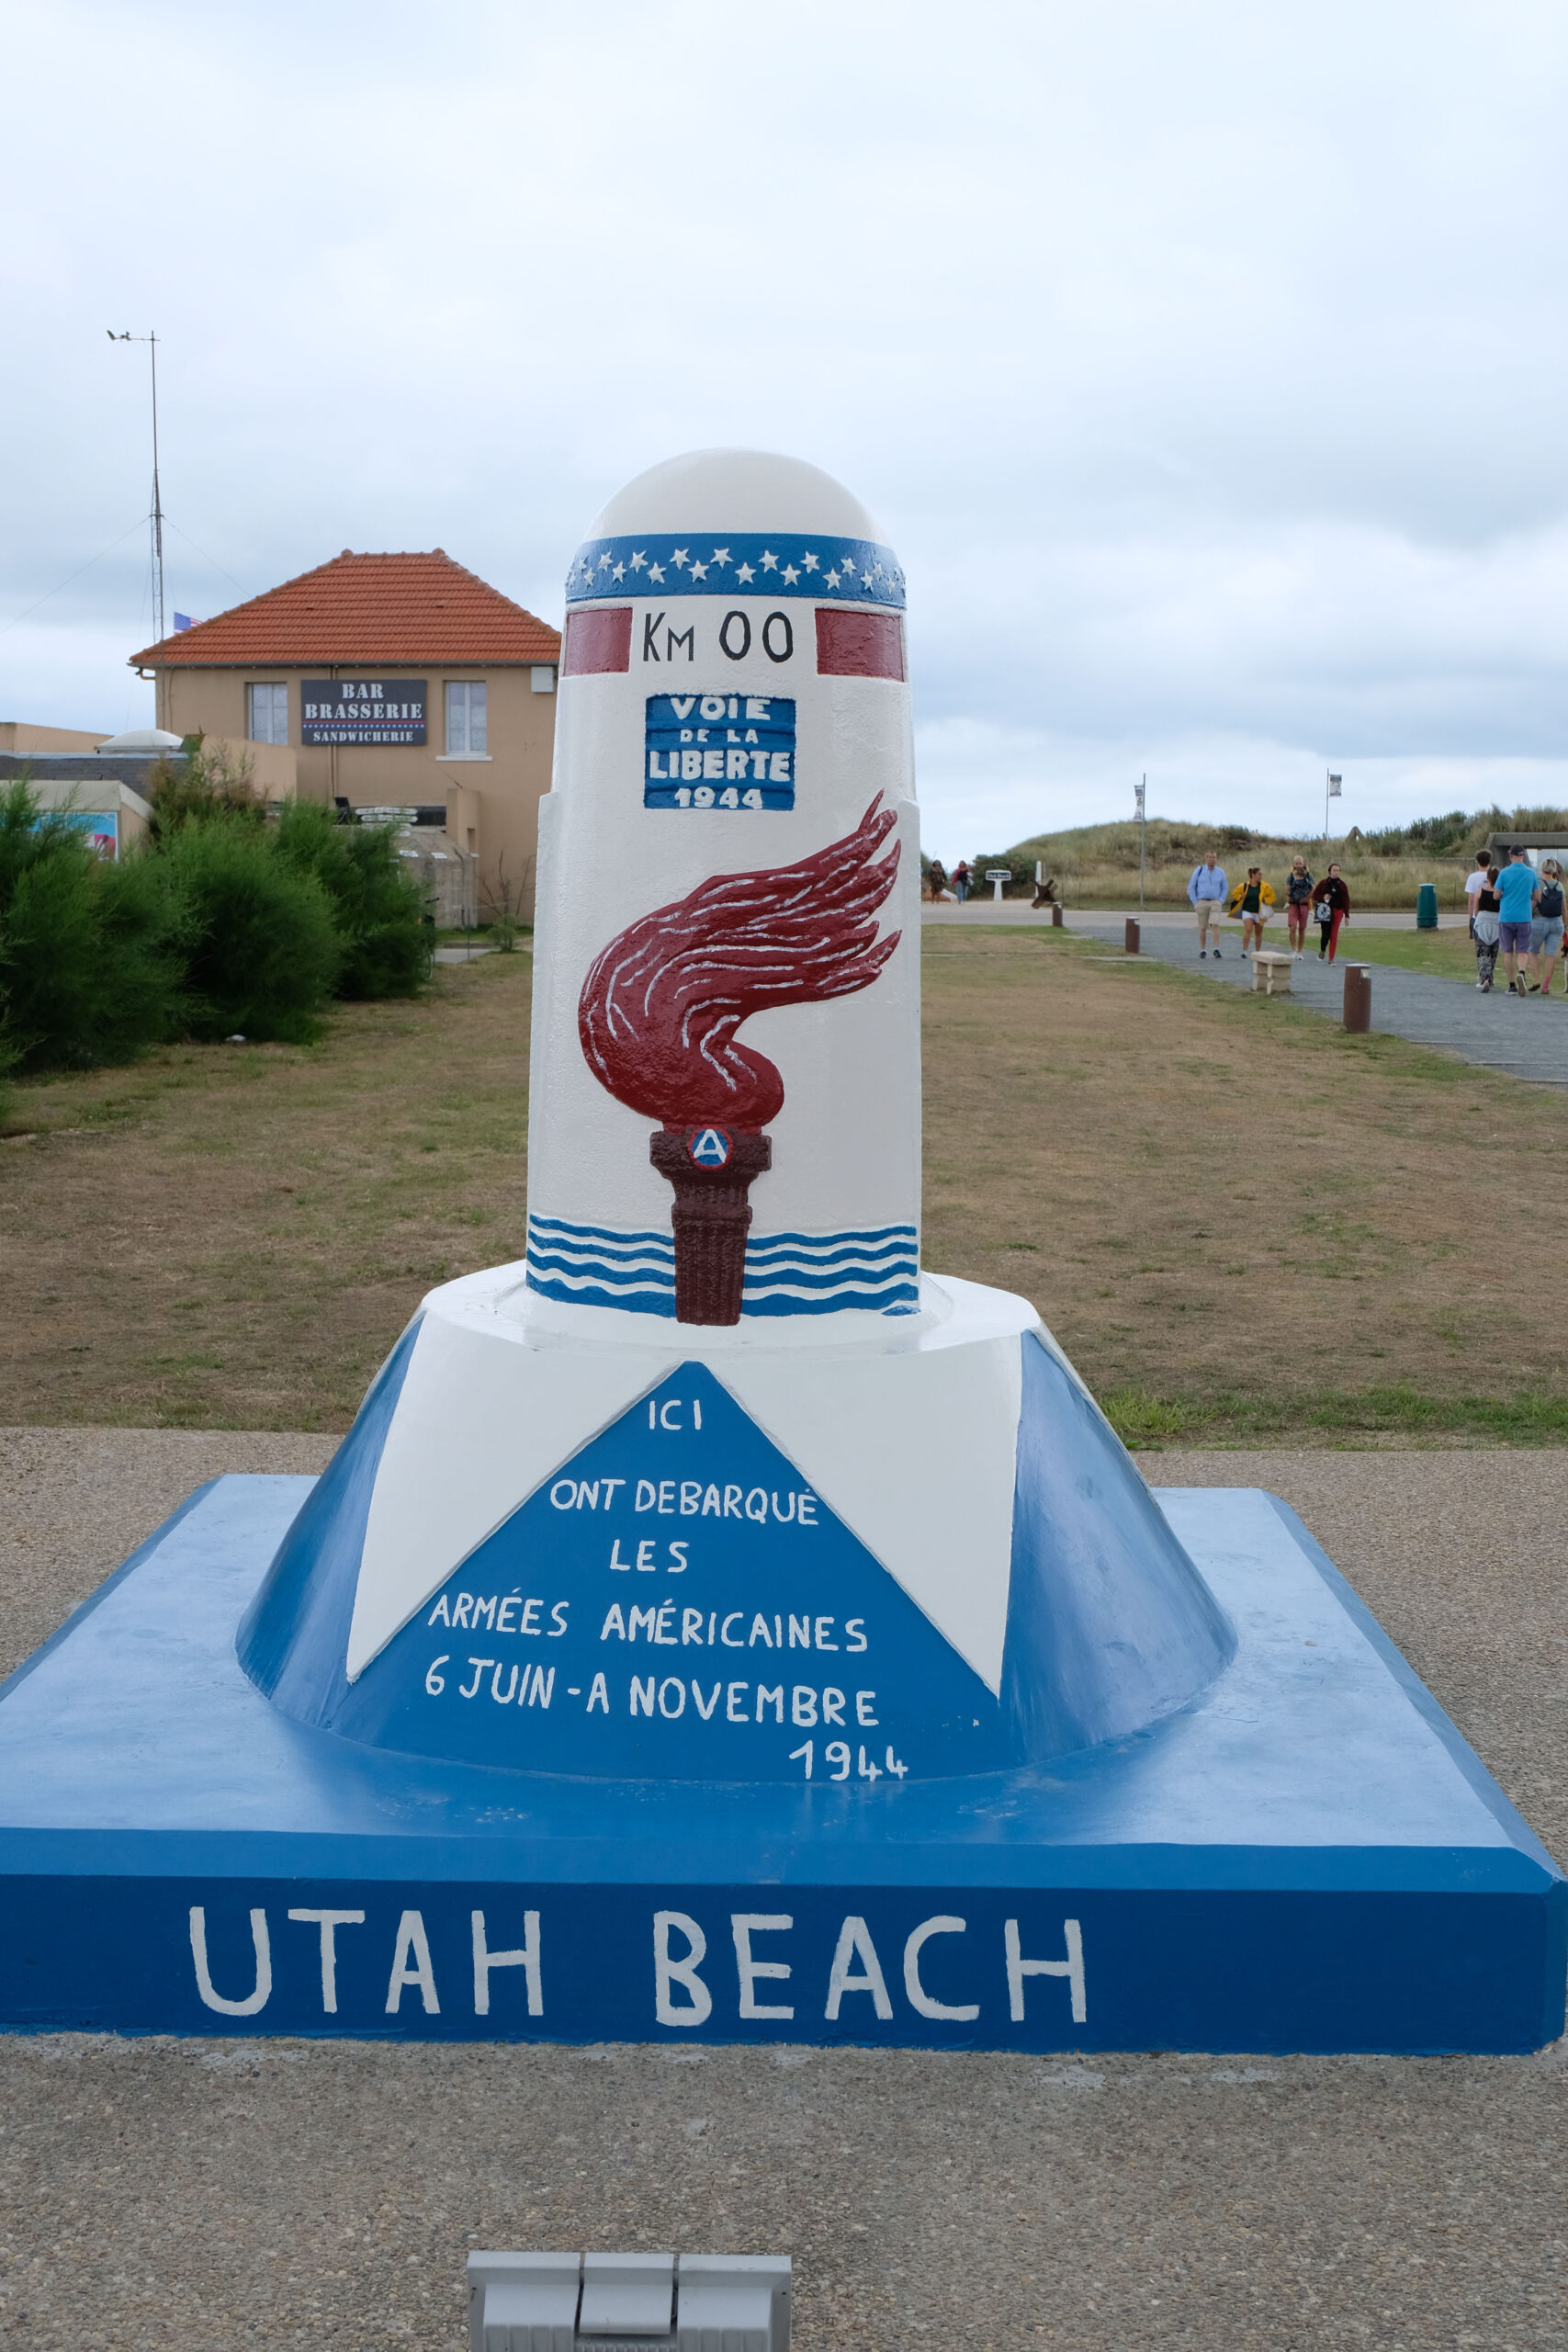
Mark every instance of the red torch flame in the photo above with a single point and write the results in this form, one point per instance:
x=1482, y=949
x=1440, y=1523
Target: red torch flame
x=658, y=1010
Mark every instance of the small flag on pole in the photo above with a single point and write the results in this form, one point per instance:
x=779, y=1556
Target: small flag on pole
x=182, y=620
x=1333, y=784
x=1138, y=791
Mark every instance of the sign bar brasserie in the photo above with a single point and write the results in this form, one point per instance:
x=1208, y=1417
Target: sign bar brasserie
x=362, y=710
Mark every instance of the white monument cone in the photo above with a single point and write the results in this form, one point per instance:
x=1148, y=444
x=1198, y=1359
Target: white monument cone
x=720, y=1411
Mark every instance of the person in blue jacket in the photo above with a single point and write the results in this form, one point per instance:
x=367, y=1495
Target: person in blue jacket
x=1515, y=893
x=1207, y=890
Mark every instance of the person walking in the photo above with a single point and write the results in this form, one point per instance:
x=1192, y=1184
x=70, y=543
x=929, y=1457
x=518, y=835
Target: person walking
x=1298, y=905
x=1474, y=883
x=960, y=873
x=1251, y=901
x=1206, y=888
x=1331, y=905
x=936, y=878
x=1546, y=926
x=1483, y=930
x=1516, y=903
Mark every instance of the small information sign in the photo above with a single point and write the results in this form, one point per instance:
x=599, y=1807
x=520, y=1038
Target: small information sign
x=724, y=751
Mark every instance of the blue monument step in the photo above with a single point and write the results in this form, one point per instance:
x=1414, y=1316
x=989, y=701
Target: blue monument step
x=1305, y=1856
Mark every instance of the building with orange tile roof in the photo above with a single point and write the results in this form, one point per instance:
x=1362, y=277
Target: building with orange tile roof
x=393, y=682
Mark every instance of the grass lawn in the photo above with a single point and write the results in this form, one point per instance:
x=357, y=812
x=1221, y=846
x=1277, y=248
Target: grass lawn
x=1239, y=1222
x=232, y=1236
x=1237, y=1219
x=1450, y=953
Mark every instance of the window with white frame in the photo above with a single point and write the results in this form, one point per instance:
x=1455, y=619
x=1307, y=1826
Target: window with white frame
x=266, y=713
x=465, y=714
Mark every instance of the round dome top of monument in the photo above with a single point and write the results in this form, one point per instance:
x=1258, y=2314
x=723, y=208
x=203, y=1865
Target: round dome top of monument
x=734, y=490
x=140, y=740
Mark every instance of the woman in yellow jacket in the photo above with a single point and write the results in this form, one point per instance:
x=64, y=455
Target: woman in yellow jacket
x=1251, y=901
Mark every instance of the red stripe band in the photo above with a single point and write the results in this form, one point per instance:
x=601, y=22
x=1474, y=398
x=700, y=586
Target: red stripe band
x=859, y=645
x=596, y=641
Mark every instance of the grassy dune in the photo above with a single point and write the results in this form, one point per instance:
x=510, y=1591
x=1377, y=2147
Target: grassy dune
x=1096, y=865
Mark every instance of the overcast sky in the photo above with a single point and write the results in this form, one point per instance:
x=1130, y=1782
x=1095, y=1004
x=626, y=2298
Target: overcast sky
x=1203, y=363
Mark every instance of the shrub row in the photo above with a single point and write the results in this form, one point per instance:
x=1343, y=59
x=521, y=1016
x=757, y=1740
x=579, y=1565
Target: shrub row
x=224, y=921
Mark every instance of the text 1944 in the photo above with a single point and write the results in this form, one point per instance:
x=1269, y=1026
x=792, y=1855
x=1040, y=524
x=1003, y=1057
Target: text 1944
x=836, y=1761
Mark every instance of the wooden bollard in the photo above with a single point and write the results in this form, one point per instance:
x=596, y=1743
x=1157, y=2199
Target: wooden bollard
x=1357, y=999
x=1131, y=937
x=1056, y=918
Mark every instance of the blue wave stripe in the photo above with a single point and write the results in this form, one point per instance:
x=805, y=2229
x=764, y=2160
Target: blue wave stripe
x=850, y=1233
x=573, y=1252
x=905, y=1301
x=873, y=1268
x=598, y=1232
x=800, y=1278
x=887, y=1237
x=607, y=1277
x=786, y=1278
x=635, y=1278
x=890, y=1251
x=641, y=1302
x=874, y=1302
x=841, y=1269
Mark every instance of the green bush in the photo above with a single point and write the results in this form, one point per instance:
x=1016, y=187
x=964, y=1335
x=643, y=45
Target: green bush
x=90, y=953
x=221, y=923
x=263, y=951
x=377, y=906
x=205, y=784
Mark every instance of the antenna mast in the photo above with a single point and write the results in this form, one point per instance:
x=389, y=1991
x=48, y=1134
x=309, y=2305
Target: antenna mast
x=157, y=498
x=157, y=516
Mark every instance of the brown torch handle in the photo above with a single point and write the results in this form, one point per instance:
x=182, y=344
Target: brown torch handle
x=711, y=1217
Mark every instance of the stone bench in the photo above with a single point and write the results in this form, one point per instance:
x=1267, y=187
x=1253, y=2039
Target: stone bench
x=1271, y=971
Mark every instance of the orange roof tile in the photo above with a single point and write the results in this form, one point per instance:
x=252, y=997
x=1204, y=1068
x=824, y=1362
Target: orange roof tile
x=365, y=610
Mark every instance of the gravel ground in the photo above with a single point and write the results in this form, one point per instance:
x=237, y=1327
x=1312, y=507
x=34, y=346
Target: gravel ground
x=170, y=2194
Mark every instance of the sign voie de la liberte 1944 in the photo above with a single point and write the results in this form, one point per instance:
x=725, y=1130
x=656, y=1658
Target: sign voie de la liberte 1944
x=718, y=751
x=362, y=710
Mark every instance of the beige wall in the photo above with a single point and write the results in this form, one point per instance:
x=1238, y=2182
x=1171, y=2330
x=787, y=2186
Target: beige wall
x=19, y=737
x=492, y=804
x=274, y=767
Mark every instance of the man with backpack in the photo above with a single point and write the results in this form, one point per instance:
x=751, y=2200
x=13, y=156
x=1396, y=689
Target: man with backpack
x=1516, y=895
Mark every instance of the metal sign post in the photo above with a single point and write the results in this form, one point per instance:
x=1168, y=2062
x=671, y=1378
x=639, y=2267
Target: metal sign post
x=1141, y=796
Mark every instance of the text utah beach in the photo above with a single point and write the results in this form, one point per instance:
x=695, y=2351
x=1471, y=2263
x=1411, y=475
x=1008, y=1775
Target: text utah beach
x=683, y=1980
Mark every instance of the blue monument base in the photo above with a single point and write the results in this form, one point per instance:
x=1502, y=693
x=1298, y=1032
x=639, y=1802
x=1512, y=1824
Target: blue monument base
x=1306, y=1857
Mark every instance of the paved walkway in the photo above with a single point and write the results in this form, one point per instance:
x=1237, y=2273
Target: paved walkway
x=1525, y=1037
x=1021, y=910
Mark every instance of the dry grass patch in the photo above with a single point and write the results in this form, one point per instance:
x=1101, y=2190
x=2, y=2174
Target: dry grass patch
x=1237, y=1220
x=231, y=1237
x=1234, y=1216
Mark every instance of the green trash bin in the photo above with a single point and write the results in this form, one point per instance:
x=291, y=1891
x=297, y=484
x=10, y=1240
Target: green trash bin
x=1427, y=907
